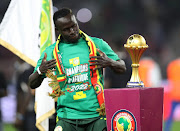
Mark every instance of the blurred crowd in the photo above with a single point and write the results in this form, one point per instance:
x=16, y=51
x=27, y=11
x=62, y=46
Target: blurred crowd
x=157, y=21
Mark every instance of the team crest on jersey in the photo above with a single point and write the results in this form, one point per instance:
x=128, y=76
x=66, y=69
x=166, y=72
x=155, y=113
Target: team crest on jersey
x=97, y=88
x=58, y=128
x=123, y=120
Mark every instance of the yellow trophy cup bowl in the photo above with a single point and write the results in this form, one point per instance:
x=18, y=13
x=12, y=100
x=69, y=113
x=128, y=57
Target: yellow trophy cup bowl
x=135, y=45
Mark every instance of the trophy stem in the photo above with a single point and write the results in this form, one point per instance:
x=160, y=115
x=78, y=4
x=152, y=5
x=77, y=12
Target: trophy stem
x=135, y=74
x=135, y=80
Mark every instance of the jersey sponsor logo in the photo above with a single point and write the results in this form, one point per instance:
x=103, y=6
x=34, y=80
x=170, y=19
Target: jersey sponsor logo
x=79, y=95
x=74, y=61
x=58, y=128
x=77, y=69
x=123, y=120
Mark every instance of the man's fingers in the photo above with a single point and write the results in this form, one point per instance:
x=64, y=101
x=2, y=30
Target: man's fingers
x=95, y=61
x=52, y=66
x=98, y=57
x=98, y=67
x=45, y=56
x=100, y=52
x=91, y=64
x=51, y=61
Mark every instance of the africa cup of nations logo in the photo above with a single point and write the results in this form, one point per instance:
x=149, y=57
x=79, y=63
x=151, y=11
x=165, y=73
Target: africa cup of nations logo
x=123, y=120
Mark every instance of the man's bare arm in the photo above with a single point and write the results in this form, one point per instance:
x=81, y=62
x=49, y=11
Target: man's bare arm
x=35, y=80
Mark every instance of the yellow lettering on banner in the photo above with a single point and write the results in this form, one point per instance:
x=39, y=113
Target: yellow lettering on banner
x=75, y=61
x=79, y=95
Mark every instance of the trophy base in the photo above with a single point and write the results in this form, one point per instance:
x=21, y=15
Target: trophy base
x=134, y=84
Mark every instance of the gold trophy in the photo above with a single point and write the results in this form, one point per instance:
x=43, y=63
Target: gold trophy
x=135, y=46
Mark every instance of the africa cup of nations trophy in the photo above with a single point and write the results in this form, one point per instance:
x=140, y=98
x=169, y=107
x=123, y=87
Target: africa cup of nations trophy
x=135, y=45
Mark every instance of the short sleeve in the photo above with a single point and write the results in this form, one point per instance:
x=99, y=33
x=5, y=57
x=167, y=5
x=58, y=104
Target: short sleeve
x=104, y=47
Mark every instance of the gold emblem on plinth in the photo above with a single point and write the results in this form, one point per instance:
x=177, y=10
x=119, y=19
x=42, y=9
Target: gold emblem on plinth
x=135, y=45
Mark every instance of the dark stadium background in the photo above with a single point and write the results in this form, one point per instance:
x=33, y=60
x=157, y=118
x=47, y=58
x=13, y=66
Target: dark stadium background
x=114, y=21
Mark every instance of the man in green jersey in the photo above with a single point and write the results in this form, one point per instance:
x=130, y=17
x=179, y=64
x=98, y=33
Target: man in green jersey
x=77, y=61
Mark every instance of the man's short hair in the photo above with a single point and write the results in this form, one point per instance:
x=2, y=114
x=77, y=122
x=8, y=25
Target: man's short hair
x=61, y=13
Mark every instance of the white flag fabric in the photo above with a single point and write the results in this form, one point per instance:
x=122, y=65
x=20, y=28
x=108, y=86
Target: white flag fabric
x=20, y=33
x=19, y=29
x=44, y=106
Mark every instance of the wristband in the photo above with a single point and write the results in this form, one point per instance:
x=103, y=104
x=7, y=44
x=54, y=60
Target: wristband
x=39, y=72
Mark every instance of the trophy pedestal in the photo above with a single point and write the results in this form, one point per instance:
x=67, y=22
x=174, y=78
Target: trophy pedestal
x=136, y=109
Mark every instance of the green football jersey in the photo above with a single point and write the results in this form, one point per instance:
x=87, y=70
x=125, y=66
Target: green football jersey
x=80, y=99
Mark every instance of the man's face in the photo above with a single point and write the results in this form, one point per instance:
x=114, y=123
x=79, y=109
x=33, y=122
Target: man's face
x=68, y=28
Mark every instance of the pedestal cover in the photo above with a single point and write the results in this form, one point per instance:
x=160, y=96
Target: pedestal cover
x=134, y=109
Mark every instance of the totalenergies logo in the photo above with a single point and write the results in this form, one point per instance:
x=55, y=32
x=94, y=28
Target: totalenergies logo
x=123, y=120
